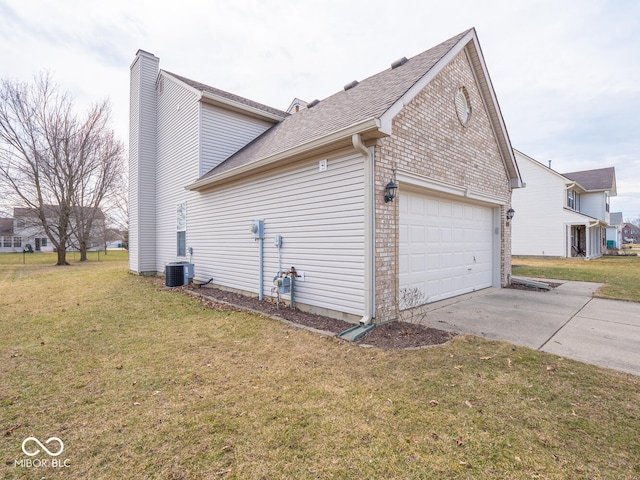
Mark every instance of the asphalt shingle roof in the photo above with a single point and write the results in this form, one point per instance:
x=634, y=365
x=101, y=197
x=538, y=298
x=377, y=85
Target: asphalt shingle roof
x=230, y=96
x=51, y=210
x=599, y=179
x=371, y=98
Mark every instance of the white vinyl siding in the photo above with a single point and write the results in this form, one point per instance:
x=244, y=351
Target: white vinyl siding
x=177, y=163
x=223, y=133
x=320, y=216
x=142, y=159
x=539, y=227
x=595, y=205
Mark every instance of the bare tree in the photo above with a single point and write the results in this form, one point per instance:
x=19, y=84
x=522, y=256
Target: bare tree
x=117, y=213
x=100, y=176
x=52, y=161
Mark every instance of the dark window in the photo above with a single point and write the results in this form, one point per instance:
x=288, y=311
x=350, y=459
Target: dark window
x=182, y=243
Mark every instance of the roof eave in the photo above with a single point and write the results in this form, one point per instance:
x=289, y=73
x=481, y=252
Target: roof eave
x=476, y=59
x=371, y=126
x=470, y=45
x=212, y=99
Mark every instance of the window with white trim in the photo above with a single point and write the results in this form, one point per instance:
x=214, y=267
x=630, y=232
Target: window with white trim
x=181, y=230
x=573, y=199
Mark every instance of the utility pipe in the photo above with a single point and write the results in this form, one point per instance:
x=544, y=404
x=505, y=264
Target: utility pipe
x=369, y=229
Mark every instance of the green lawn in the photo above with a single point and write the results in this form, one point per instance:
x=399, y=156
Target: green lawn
x=620, y=274
x=142, y=382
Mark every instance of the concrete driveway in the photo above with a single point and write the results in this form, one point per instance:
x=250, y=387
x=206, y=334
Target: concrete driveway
x=565, y=321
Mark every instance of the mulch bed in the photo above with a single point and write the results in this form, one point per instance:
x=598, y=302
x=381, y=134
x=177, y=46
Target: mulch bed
x=391, y=335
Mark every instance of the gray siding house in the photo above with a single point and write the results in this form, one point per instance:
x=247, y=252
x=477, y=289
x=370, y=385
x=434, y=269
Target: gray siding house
x=205, y=164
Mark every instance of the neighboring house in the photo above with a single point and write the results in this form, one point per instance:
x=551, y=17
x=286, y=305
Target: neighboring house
x=630, y=233
x=9, y=241
x=561, y=215
x=115, y=239
x=206, y=164
x=614, y=231
x=28, y=228
x=29, y=233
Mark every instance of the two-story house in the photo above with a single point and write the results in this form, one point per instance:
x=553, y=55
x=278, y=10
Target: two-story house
x=561, y=215
x=630, y=233
x=27, y=226
x=401, y=180
x=25, y=230
x=9, y=241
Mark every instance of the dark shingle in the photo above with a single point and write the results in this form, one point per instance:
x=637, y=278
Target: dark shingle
x=600, y=179
x=371, y=98
x=229, y=96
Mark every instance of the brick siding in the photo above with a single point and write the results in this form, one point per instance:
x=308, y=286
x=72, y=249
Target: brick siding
x=428, y=139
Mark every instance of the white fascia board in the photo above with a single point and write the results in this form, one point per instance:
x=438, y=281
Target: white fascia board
x=186, y=86
x=388, y=116
x=448, y=188
x=229, y=104
x=581, y=218
x=362, y=127
x=523, y=156
x=495, y=114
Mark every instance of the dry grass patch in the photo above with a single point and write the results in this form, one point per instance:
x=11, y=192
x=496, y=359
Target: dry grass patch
x=620, y=274
x=141, y=382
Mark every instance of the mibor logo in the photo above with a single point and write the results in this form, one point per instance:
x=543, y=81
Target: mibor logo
x=28, y=449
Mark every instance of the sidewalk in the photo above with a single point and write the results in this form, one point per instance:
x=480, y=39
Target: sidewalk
x=566, y=321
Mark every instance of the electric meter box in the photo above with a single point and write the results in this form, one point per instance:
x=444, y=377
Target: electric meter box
x=257, y=228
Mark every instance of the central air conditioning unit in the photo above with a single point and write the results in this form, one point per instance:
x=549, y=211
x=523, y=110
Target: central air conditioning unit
x=177, y=274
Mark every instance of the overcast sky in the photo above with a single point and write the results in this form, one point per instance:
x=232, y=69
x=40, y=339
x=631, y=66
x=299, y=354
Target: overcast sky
x=566, y=73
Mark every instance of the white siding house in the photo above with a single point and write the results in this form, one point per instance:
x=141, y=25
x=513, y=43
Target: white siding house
x=614, y=230
x=557, y=216
x=206, y=164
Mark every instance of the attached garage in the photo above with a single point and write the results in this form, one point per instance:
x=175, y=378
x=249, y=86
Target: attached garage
x=448, y=245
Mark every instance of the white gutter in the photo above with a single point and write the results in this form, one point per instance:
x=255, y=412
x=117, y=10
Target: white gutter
x=369, y=230
x=372, y=124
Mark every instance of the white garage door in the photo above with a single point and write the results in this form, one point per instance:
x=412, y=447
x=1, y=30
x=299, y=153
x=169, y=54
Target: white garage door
x=446, y=246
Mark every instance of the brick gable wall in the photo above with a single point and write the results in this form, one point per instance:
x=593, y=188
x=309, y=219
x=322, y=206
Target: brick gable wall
x=429, y=140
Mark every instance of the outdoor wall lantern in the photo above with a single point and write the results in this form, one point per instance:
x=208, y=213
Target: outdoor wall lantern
x=510, y=213
x=390, y=191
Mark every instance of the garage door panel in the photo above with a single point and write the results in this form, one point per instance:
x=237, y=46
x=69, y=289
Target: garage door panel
x=449, y=245
x=417, y=265
x=417, y=234
x=416, y=206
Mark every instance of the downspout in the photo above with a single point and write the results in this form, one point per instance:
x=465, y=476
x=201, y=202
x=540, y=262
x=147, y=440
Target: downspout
x=369, y=229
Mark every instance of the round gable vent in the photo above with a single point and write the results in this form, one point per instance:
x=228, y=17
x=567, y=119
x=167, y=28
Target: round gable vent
x=463, y=105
